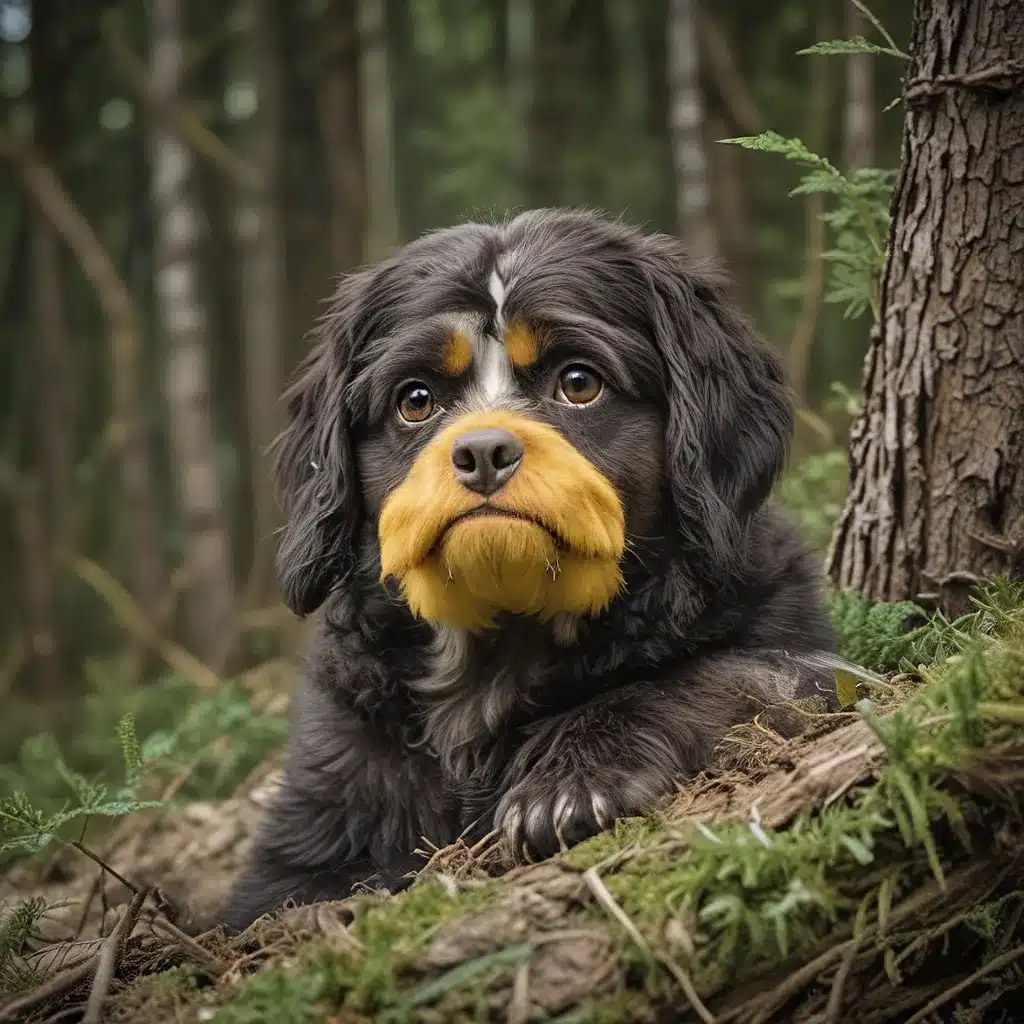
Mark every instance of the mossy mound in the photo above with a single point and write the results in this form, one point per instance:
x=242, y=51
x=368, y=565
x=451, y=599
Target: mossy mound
x=871, y=869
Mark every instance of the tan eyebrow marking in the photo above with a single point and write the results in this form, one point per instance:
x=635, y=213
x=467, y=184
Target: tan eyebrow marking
x=522, y=344
x=458, y=353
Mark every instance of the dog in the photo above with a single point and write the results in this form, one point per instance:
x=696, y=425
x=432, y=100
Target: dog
x=526, y=474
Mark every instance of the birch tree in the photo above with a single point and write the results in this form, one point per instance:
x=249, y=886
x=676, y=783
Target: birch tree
x=260, y=236
x=209, y=592
x=686, y=119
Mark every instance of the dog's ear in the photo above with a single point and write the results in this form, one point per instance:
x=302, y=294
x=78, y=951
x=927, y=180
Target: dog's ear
x=315, y=469
x=731, y=414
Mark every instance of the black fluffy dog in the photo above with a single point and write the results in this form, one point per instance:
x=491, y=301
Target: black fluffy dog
x=525, y=475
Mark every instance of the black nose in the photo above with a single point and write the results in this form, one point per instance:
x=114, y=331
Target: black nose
x=485, y=459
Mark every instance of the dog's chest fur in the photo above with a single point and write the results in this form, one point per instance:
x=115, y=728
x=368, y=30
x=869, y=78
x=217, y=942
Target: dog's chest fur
x=476, y=688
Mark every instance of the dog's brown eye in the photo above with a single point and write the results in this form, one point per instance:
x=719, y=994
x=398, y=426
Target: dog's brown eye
x=578, y=385
x=415, y=403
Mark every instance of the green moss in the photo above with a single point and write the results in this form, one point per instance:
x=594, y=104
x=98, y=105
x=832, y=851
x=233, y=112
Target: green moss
x=298, y=993
x=625, y=833
x=873, y=635
x=620, y=1007
x=747, y=895
x=889, y=637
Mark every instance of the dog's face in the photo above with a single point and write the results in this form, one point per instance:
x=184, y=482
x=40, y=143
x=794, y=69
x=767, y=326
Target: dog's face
x=515, y=410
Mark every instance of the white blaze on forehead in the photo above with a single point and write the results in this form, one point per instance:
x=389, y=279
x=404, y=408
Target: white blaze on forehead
x=493, y=378
x=497, y=289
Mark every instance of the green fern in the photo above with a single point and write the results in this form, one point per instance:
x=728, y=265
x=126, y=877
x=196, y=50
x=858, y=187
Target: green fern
x=845, y=47
x=130, y=751
x=26, y=828
x=16, y=928
x=859, y=220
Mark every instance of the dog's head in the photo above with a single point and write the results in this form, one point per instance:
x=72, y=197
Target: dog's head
x=508, y=414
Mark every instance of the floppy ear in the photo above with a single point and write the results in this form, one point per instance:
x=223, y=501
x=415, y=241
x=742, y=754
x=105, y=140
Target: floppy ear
x=315, y=469
x=731, y=414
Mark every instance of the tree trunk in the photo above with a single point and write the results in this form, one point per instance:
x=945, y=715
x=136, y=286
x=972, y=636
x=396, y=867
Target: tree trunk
x=127, y=426
x=937, y=456
x=805, y=327
x=341, y=132
x=541, y=90
x=859, y=113
x=209, y=599
x=378, y=132
x=262, y=256
x=686, y=118
x=54, y=362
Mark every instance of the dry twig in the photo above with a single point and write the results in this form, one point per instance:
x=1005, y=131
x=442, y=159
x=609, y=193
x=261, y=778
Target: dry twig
x=108, y=957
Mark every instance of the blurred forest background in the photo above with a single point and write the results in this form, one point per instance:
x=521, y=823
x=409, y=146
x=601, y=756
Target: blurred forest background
x=182, y=180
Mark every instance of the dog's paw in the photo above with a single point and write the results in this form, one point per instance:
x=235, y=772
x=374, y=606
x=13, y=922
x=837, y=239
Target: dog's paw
x=542, y=815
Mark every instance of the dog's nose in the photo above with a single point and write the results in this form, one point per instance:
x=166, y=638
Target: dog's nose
x=484, y=460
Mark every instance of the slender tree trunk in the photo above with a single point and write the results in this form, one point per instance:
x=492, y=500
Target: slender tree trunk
x=378, y=132
x=518, y=65
x=54, y=361
x=729, y=208
x=805, y=328
x=37, y=588
x=209, y=599
x=127, y=425
x=341, y=132
x=262, y=251
x=686, y=118
x=937, y=456
x=541, y=90
x=859, y=112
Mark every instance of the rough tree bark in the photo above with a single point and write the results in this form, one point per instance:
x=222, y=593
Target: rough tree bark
x=209, y=596
x=859, y=109
x=686, y=119
x=937, y=456
x=260, y=234
x=341, y=133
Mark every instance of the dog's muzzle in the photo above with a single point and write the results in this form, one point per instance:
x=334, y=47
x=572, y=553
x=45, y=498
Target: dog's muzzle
x=499, y=513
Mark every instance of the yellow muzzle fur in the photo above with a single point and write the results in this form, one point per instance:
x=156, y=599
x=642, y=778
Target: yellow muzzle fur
x=556, y=550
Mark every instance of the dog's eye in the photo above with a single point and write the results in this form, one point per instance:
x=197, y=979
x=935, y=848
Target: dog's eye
x=416, y=403
x=578, y=385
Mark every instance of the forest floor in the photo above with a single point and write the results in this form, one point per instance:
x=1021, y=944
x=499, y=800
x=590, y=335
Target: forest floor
x=870, y=868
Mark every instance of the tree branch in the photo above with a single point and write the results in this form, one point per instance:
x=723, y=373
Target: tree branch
x=202, y=141
x=45, y=188
x=131, y=618
x=726, y=77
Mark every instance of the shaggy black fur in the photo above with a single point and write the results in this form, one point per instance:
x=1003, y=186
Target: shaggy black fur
x=402, y=730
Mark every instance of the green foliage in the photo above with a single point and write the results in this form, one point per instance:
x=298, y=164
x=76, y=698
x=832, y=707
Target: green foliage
x=813, y=492
x=746, y=894
x=16, y=927
x=859, y=217
x=27, y=828
x=212, y=741
x=291, y=996
x=845, y=47
x=859, y=220
x=877, y=636
x=889, y=637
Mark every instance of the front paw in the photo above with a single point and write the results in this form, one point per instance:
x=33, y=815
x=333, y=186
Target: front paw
x=543, y=814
